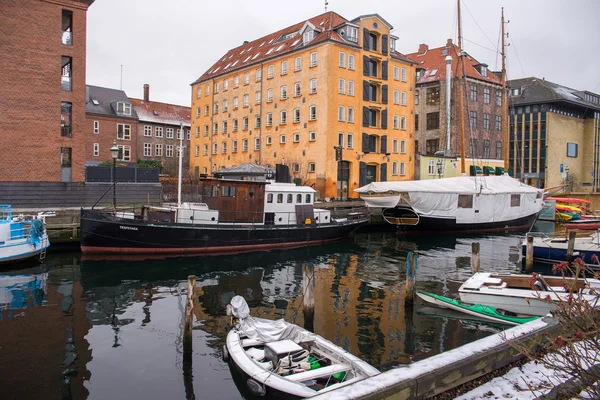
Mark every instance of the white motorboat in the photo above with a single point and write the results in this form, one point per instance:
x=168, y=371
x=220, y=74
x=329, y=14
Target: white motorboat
x=525, y=294
x=277, y=358
x=22, y=237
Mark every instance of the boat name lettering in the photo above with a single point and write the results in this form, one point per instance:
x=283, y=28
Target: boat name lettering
x=130, y=228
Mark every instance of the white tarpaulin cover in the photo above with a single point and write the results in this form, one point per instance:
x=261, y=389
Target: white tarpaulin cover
x=265, y=330
x=492, y=200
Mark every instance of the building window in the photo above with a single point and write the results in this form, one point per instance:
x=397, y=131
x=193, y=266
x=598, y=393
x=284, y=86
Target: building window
x=284, y=69
x=313, y=86
x=486, y=95
x=433, y=120
x=158, y=150
x=256, y=143
x=257, y=121
x=234, y=146
x=96, y=149
x=433, y=95
x=123, y=132
x=66, y=74
x=297, y=63
x=312, y=136
x=498, y=123
x=473, y=93
x=473, y=148
x=96, y=126
x=158, y=131
x=403, y=123
x=224, y=127
x=235, y=126
x=269, y=140
x=147, y=149
x=416, y=97
x=124, y=153
x=341, y=139
x=486, y=121
x=258, y=97
x=282, y=139
x=296, y=137
x=270, y=71
x=296, y=115
x=246, y=78
x=246, y=100
x=226, y=85
x=312, y=115
x=403, y=74
x=217, y=87
x=258, y=75
x=350, y=141
x=197, y=132
x=235, y=103
x=313, y=59
x=499, y=150
x=205, y=151
x=269, y=95
x=341, y=113
x=395, y=146
x=206, y=108
x=341, y=86
x=215, y=128
x=402, y=169
x=224, y=147
x=297, y=89
x=486, y=149
x=215, y=108
x=350, y=88
x=225, y=105
x=311, y=168
x=403, y=98
x=431, y=146
x=498, y=97
x=571, y=149
x=245, y=123
x=395, y=124
x=431, y=167
x=352, y=34
x=342, y=62
x=66, y=116
x=396, y=73
x=207, y=91
x=403, y=146
x=473, y=119
x=396, y=97
x=283, y=117
x=350, y=114
x=215, y=148
x=350, y=62
x=283, y=92
x=169, y=150
x=67, y=28
x=269, y=119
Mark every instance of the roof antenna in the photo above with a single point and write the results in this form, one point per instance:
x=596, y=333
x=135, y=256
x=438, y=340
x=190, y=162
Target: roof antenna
x=326, y=4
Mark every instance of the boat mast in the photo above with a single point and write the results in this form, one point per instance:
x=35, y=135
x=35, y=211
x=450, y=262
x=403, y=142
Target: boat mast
x=461, y=118
x=504, y=101
x=180, y=166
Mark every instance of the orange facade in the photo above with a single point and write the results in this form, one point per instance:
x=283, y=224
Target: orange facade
x=321, y=104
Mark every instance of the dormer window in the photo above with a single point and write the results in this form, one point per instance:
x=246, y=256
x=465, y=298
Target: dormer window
x=124, y=108
x=392, y=44
x=515, y=92
x=307, y=37
x=483, y=71
x=352, y=34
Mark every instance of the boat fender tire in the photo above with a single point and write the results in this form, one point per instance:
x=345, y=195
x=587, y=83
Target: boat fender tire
x=257, y=388
x=225, y=353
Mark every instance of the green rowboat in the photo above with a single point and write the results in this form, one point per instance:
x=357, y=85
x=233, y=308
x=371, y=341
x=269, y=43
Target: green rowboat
x=487, y=312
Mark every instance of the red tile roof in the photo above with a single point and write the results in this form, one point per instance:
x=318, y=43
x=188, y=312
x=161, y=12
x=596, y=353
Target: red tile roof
x=435, y=59
x=273, y=45
x=161, y=113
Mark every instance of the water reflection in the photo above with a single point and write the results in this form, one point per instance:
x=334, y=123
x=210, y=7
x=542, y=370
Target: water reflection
x=113, y=329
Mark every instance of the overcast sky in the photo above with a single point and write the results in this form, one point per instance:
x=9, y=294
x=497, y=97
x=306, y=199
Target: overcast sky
x=169, y=44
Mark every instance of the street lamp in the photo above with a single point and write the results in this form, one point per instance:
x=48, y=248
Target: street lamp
x=439, y=167
x=114, y=153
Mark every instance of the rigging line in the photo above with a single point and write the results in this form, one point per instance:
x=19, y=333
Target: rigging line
x=469, y=11
x=512, y=41
x=477, y=44
x=498, y=46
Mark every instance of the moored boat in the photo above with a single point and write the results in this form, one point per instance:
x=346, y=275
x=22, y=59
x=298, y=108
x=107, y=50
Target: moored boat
x=236, y=215
x=478, y=310
x=282, y=360
x=554, y=250
x=22, y=237
x=524, y=294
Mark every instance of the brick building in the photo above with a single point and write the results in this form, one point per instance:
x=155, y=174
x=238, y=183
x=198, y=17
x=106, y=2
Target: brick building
x=329, y=96
x=42, y=110
x=554, y=135
x=159, y=130
x=110, y=116
x=482, y=106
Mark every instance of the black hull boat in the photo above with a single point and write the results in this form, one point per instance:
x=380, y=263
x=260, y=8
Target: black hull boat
x=235, y=216
x=102, y=232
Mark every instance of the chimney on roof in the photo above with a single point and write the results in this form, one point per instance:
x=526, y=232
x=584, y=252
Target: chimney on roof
x=449, y=43
x=146, y=93
x=423, y=48
x=246, y=42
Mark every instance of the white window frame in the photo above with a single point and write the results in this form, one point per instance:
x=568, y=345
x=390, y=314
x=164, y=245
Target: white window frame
x=342, y=60
x=396, y=97
x=312, y=136
x=258, y=97
x=403, y=101
x=312, y=86
x=298, y=64
x=297, y=89
x=236, y=81
x=123, y=132
x=402, y=146
x=226, y=85
x=313, y=59
x=224, y=147
x=256, y=143
x=269, y=119
x=234, y=146
x=395, y=122
x=350, y=115
x=341, y=114
x=246, y=78
x=148, y=130
x=123, y=108
x=351, y=62
x=258, y=74
x=246, y=100
x=394, y=168
x=158, y=149
x=269, y=95
x=395, y=146
x=341, y=139
x=125, y=153
x=402, y=168
x=215, y=148
x=96, y=126
x=403, y=123
x=312, y=113
x=312, y=167
x=282, y=138
x=147, y=149
x=96, y=149
x=269, y=140
x=282, y=117
x=396, y=73
x=403, y=74
x=297, y=137
x=296, y=115
x=350, y=88
x=341, y=86
x=197, y=150
x=270, y=71
x=170, y=134
x=158, y=131
x=169, y=150
x=205, y=149
x=431, y=167
x=283, y=95
x=350, y=141
x=284, y=68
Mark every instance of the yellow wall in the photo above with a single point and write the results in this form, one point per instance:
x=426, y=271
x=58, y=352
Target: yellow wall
x=451, y=166
x=557, y=127
x=321, y=151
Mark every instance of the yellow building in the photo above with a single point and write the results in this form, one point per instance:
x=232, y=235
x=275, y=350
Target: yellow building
x=329, y=97
x=437, y=167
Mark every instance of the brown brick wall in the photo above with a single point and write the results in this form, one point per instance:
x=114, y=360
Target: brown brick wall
x=170, y=164
x=107, y=135
x=31, y=95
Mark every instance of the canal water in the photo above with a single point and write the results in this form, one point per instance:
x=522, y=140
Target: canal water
x=76, y=327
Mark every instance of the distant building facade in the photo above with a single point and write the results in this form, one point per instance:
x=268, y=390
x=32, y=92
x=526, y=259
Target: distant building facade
x=330, y=97
x=42, y=110
x=159, y=130
x=110, y=117
x=482, y=99
x=554, y=135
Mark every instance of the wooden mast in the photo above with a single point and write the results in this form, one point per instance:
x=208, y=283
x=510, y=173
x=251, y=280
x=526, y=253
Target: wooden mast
x=504, y=101
x=461, y=118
